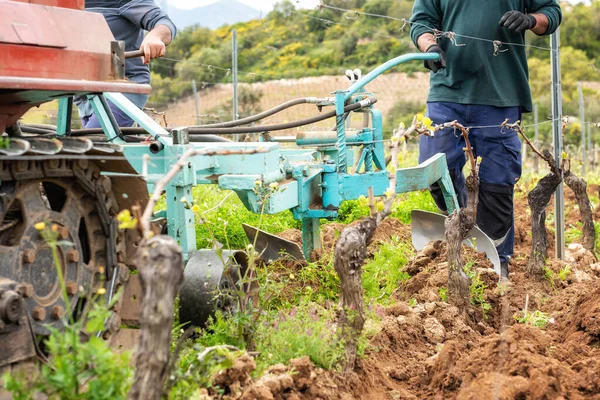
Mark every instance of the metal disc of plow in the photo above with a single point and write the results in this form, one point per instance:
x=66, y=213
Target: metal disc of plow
x=271, y=247
x=206, y=279
x=427, y=226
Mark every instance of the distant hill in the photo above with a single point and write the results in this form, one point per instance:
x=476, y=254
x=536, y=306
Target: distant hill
x=213, y=15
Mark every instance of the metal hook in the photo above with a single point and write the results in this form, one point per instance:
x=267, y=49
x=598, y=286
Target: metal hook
x=497, y=45
x=355, y=15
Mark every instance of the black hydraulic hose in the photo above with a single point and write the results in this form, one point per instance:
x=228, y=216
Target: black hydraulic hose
x=48, y=134
x=41, y=126
x=249, y=129
x=37, y=131
x=209, y=139
x=279, y=127
x=265, y=114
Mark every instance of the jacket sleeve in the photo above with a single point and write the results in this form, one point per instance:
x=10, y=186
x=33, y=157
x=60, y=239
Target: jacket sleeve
x=551, y=9
x=147, y=15
x=426, y=17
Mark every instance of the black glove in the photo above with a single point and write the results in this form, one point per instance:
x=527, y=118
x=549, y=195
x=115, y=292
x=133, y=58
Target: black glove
x=517, y=21
x=435, y=65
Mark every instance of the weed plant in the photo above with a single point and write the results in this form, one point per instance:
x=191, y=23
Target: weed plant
x=537, y=318
x=477, y=288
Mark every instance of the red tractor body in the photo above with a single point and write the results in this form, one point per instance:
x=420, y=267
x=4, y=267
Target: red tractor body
x=50, y=49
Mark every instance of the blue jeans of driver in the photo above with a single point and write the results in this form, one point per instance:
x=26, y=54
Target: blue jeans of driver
x=500, y=150
x=123, y=120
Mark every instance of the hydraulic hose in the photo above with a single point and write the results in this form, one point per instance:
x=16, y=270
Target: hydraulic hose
x=278, y=127
x=37, y=131
x=265, y=114
x=249, y=129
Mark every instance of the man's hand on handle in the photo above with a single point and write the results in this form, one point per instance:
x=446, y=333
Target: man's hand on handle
x=427, y=43
x=155, y=43
x=435, y=65
x=152, y=47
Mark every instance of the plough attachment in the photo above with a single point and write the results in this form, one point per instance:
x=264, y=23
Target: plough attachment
x=427, y=226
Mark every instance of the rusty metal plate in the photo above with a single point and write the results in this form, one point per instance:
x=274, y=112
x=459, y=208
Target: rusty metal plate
x=76, y=4
x=22, y=23
x=16, y=345
x=68, y=86
x=125, y=339
x=132, y=301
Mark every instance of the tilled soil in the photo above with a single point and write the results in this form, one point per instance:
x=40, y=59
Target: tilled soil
x=433, y=351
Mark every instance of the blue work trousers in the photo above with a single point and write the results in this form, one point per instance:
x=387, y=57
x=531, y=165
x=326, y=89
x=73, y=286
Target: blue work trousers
x=123, y=120
x=500, y=150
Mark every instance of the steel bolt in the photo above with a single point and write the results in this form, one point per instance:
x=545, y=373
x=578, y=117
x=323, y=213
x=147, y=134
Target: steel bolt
x=11, y=306
x=28, y=256
x=26, y=290
x=123, y=272
x=64, y=232
x=58, y=312
x=39, y=313
x=106, y=184
x=72, y=288
x=73, y=255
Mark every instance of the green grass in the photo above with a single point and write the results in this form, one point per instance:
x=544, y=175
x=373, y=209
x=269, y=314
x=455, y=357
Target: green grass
x=561, y=275
x=308, y=329
x=407, y=202
x=286, y=286
x=573, y=233
x=221, y=213
x=383, y=275
x=443, y=294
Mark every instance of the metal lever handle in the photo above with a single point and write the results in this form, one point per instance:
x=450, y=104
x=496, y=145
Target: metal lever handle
x=133, y=54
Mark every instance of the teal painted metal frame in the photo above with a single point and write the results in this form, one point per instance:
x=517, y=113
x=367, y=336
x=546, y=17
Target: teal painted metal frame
x=312, y=183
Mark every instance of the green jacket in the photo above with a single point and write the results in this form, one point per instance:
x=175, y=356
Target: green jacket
x=474, y=75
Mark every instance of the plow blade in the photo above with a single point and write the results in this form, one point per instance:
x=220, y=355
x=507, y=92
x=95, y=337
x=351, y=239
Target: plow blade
x=271, y=247
x=428, y=226
x=208, y=281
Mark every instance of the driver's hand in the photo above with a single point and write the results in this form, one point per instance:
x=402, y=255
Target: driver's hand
x=153, y=47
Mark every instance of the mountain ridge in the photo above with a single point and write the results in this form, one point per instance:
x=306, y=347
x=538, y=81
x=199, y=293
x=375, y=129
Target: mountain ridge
x=215, y=15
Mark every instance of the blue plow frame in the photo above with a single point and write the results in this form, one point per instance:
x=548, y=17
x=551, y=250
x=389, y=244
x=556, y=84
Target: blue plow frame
x=312, y=182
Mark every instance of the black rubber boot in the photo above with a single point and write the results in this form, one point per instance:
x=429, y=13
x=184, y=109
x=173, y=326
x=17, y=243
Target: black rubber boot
x=504, y=270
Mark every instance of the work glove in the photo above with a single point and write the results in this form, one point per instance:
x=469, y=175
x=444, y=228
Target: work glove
x=435, y=65
x=517, y=21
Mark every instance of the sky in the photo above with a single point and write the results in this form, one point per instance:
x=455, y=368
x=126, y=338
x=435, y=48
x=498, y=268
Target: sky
x=265, y=5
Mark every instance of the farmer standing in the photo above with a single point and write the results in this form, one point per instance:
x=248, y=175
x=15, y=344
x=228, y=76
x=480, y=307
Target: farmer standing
x=128, y=19
x=480, y=84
